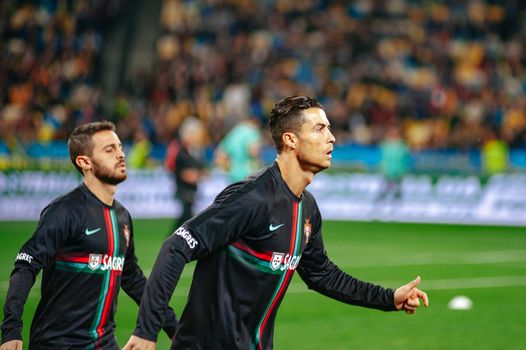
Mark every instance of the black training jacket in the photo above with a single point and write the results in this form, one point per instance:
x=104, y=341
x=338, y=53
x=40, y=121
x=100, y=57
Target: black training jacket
x=248, y=244
x=86, y=251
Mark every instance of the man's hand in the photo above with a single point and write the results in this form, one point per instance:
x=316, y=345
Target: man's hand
x=406, y=297
x=12, y=345
x=136, y=343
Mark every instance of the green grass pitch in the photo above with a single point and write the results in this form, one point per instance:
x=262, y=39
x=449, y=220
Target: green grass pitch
x=487, y=264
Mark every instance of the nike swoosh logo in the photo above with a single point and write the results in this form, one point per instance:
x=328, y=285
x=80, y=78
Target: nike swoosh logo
x=274, y=228
x=90, y=232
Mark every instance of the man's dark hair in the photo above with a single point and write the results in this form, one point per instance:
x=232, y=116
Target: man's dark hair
x=287, y=116
x=80, y=142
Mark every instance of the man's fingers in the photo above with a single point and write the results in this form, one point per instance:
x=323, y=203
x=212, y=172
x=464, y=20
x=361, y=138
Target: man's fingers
x=407, y=296
x=414, y=283
x=423, y=296
x=12, y=345
x=413, y=302
x=410, y=309
x=129, y=345
x=136, y=343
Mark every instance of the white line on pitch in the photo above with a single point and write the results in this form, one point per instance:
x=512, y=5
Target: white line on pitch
x=458, y=258
x=441, y=284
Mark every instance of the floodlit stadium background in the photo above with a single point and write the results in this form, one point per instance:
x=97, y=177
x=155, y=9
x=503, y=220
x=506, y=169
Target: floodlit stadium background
x=450, y=75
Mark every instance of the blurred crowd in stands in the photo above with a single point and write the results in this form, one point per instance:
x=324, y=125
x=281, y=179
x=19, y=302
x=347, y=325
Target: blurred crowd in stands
x=449, y=74
x=49, y=51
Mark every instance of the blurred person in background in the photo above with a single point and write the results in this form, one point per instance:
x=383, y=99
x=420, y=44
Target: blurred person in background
x=84, y=244
x=495, y=154
x=249, y=243
x=189, y=166
x=140, y=150
x=395, y=160
x=238, y=152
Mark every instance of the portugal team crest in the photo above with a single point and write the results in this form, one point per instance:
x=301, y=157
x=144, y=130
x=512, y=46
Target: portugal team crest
x=126, y=231
x=94, y=261
x=277, y=259
x=307, y=230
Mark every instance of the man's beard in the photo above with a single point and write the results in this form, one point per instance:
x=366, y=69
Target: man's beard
x=105, y=175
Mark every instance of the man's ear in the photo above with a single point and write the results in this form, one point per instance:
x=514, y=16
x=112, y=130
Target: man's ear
x=84, y=162
x=290, y=140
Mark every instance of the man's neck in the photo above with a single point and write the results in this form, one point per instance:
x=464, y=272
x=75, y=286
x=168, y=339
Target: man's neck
x=104, y=192
x=296, y=178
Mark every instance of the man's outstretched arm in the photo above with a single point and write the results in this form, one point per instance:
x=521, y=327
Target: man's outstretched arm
x=160, y=287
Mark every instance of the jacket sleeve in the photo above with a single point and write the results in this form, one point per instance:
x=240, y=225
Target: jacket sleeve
x=133, y=283
x=322, y=275
x=224, y=221
x=34, y=255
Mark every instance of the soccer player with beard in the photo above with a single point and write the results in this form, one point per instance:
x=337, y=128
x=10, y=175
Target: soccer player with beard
x=84, y=244
x=248, y=244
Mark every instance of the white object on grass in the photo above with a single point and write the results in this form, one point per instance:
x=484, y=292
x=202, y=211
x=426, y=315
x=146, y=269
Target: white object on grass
x=460, y=302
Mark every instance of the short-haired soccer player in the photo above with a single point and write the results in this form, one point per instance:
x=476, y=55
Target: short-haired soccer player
x=84, y=244
x=250, y=241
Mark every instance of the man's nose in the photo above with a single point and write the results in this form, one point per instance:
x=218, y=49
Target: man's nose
x=332, y=139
